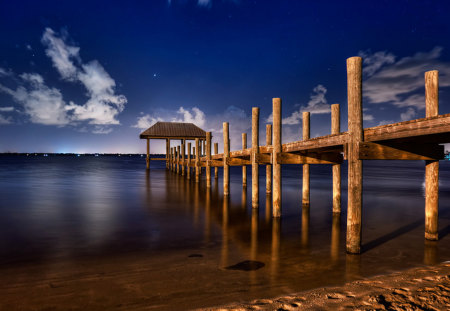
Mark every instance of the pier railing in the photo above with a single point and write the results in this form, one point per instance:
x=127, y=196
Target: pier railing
x=418, y=139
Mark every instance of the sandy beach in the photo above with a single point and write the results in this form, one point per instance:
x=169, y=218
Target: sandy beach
x=423, y=288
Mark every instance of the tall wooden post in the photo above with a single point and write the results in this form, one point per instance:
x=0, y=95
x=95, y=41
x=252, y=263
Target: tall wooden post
x=167, y=153
x=183, y=156
x=255, y=152
x=178, y=159
x=336, y=129
x=431, y=167
x=147, y=159
x=188, y=168
x=244, y=167
x=208, y=159
x=306, y=179
x=268, y=167
x=216, y=169
x=226, y=154
x=171, y=158
x=276, y=154
x=356, y=135
x=197, y=160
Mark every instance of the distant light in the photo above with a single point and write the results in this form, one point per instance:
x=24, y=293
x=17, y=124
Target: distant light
x=154, y=75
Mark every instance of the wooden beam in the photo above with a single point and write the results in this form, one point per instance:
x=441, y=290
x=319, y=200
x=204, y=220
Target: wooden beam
x=310, y=158
x=431, y=167
x=226, y=153
x=244, y=167
x=276, y=200
x=208, y=159
x=405, y=151
x=269, y=167
x=335, y=141
x=188, y=168
x=237, y=162
x=355, y=129
x=263, y=158
x=255, y=151
x=335, y=130
x=306, y=179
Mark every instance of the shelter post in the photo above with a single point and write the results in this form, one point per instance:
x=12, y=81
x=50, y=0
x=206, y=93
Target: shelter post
x=255, y=153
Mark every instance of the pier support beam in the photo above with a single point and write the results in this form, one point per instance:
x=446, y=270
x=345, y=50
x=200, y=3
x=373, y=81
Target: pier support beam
x=171, y=158
x=306, y=179
x=336, y=129
x=167, y=153
x=268, y=167
x=178, y=159
x=226, y=154
x=197, y=160
x=431, y=167
x=188, y=168
x=276, y=152
x=244, y=167
x=183, y=157
x=216, y=169
x=355, y=131
x=208, y=159
x=147, y=159
x=255, y=151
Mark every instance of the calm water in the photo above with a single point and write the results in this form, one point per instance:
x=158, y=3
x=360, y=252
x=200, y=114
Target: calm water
x=99, y=209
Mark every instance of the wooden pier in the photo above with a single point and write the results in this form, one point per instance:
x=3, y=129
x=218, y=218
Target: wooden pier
x=418, y=139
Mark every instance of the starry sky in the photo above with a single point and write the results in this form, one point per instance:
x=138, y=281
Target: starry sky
x=89, y=76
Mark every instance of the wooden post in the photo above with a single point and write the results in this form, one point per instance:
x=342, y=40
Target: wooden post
x=336, y=129
x=268, y=167
x=188, y=168
x=171, y=158
x=226, y=154
x=356, y=135
x=244, y=167
x=147, y=159
x=208, y=159
x=431, y=167
x=178, y=159
x=197, y=160
x=167, y=153
x=255, y=151
x=276, y=152
x=216, y=169
x=183, y=156
x=306, y=179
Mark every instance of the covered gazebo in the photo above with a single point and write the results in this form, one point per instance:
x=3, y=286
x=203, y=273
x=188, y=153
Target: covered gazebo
x=172, y=131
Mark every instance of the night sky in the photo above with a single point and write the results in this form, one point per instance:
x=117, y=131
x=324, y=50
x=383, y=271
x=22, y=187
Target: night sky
x=89, y=76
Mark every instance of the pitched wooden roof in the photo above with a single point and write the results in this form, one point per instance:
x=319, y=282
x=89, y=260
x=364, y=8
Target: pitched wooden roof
x=174, y=130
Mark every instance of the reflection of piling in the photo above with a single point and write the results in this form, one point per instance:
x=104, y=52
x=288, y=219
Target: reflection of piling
x=431, y=167
x=275, y=250
x=430, y=254
x=255, y=152
x=244, y=198
x=226, y=154
x=306, y=179
x=305, y=227
x=276, y=154
x=352, y=267
x=335, y=237
x=336, y=129
x=224, y=256
x=268, y=207
x=244, y=167
x=268, y=166
x=355, y=132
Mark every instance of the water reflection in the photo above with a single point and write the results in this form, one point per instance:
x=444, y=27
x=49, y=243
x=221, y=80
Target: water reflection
x=335, y=237
x=305, y=226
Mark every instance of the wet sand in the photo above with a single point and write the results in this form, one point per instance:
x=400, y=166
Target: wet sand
x=423, y=288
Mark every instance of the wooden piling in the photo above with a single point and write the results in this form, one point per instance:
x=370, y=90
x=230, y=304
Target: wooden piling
x=306, y=179
x=183, y=156
x=269, y=167
x=431, y=167
x=226, y=154
x=147, y=159
x=216, y=169
x=178, y=159
x=244, y=167
x=167, y=153
x=208, y=159
x=188, y=168
x=336, y=129
x=171, y=159
x=197, y=160
x=255, y=152
x=355, y=136
x=276, y=153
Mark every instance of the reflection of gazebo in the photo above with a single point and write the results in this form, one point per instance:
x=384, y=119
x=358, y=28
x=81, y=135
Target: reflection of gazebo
x=172, y=131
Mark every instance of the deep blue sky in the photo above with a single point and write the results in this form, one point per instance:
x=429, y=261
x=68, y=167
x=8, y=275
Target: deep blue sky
x=82, y=76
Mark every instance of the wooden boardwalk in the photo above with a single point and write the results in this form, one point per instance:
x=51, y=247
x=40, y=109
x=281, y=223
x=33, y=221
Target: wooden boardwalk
x=410, y=140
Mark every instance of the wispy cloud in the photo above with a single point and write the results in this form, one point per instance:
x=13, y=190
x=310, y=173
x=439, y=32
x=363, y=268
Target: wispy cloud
x=6, y=109
x=401, y=82
x=144, y=121
x=45, y=105
x=409, y=114
x=5, y=120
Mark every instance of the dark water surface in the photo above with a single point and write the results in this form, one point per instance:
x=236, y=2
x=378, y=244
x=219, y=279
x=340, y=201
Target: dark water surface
x=185, y=244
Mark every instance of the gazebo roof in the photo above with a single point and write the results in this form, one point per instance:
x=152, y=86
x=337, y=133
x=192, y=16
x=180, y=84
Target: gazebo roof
x=173, y=130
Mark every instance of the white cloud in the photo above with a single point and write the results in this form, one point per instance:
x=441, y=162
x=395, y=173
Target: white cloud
x=401, y=83
x=409, y=114
x=367, y=117
x=145, y=121
x=373, y=62
x=6, y=109
x=195, y=116
x=4, y=120
x=45, y=105
x=317, y=105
